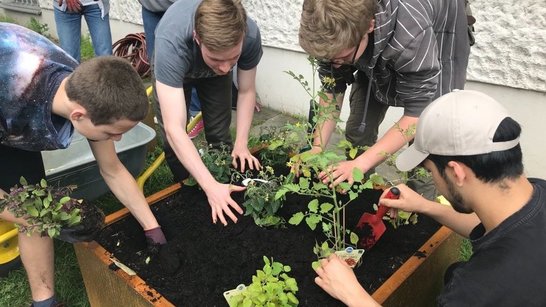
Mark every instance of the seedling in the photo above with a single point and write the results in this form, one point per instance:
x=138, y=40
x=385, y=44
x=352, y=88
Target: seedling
x=271, y=286
x=46, y=209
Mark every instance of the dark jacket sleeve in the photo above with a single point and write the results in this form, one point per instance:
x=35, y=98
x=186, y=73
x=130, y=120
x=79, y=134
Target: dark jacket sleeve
x=343, y=76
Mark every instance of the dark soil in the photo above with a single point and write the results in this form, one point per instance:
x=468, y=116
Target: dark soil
x=214, y=258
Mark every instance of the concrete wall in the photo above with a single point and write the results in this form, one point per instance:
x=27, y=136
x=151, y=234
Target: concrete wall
x=508, y=61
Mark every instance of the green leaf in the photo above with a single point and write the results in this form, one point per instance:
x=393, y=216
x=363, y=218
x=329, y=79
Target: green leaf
x=315, y=265
x=377, y=179
x=296, y=218
x=319, y=186
x=51, y=232
x=358, y=175
x=353, y=152
x=64, y=200
x=353, y=237
x=304, y=183
x=326, y=207
x=23, y=181
x=32, y=211
x=280, y=193
x=43, y=212
x=312, y=221
x=345, y=186
x=292, y=187
x=313, y=205
x=292, y=299
x=46, y=202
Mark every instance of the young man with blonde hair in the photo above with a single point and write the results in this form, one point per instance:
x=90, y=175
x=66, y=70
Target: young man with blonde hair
x=197, y=44
x=405, y=54
x=45, y=97
x=470, y=145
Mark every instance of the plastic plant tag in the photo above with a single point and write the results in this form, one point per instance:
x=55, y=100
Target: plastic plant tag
x=230, y=293
x=350, y=255
x=123, y=267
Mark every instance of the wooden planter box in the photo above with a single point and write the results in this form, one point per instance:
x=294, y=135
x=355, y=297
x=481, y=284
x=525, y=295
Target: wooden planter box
x=418, y=280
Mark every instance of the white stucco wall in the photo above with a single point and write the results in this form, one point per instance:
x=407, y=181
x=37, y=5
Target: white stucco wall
x=510, y=35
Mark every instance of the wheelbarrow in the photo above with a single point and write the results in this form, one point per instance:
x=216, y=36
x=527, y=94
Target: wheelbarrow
x=141, y=180
x=9, y=250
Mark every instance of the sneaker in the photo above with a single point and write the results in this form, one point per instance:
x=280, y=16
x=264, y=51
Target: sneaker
x=196, y=129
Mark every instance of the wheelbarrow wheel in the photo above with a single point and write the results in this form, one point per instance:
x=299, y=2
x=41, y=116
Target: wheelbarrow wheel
x=7, y=267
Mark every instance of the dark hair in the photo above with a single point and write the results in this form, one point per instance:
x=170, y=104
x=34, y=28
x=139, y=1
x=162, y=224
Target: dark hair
x=109, y=88
x=494, y=166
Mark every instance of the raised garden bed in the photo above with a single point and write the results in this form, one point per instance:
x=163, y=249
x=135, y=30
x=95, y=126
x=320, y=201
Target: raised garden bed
x=405, y=267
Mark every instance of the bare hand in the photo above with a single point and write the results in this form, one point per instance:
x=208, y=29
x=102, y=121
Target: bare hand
x=408, y=201
x=343, y=171
x=220, y=202
x=245, y=158
x=338, y=279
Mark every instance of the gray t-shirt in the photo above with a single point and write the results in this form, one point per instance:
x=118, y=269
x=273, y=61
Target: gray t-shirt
x=178, y=57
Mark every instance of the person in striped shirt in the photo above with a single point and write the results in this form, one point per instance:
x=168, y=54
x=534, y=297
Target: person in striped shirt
x=394, y=53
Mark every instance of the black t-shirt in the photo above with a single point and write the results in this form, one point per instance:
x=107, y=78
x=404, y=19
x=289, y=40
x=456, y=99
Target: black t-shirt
x=508, y=266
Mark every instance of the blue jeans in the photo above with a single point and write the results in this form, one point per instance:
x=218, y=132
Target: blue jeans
x=150, y=20
x=69, y=30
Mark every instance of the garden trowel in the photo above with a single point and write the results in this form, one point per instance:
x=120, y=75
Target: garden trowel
x=370, y=227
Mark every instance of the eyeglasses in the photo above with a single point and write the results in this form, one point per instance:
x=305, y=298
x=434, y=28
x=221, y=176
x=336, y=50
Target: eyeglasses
x=343, y=60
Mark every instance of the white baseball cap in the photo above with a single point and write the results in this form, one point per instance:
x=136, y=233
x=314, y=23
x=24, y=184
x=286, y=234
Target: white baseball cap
x=460, y=123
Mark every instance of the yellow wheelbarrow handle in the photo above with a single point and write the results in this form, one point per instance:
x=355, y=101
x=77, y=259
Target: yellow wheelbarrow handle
x=157, y=162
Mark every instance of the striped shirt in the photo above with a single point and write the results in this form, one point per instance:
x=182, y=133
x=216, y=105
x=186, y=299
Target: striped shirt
x=419, y=52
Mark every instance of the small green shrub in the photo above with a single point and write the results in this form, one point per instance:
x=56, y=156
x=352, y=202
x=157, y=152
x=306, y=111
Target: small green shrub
x=271, y=286
x=46, y=209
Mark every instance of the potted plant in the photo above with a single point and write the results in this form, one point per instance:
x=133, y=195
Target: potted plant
x=46, y=209
x=271, y=286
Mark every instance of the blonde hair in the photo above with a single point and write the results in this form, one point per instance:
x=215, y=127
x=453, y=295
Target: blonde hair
x=220, y=24
x=330, y=26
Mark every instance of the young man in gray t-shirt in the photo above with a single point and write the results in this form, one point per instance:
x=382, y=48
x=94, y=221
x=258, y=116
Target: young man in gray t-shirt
x=197, y=44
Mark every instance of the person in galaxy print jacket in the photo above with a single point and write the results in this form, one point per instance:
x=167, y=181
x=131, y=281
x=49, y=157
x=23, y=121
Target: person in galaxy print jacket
x=44, y=96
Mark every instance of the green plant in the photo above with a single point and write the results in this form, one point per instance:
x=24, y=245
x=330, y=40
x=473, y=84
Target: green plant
x=326, y=208
x=270, y=287
x=86, y=47
x=46, y=209
x=218, y=162
x=279, y=143
x=4, y=18
x=260, y=201
x=38, y=27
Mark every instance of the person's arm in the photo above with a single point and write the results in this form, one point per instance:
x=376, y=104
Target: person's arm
x=173, y=110
x=410, y=201
x=338, y=279
x=122, y=183
x=390, y=143
x=246, y=102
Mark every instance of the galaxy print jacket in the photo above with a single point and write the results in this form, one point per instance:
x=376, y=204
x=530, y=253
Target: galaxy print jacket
x=32, y=68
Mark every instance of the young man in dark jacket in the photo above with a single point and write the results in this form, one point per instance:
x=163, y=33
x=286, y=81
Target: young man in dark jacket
x=405, y=54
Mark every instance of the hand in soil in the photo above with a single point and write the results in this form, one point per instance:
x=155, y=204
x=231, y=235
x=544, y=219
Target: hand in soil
x=91, y=224
x=220, y=202
x=166, y=256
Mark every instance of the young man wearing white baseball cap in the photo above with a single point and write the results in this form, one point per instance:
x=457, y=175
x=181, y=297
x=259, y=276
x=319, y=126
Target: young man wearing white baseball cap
x=470, y=145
